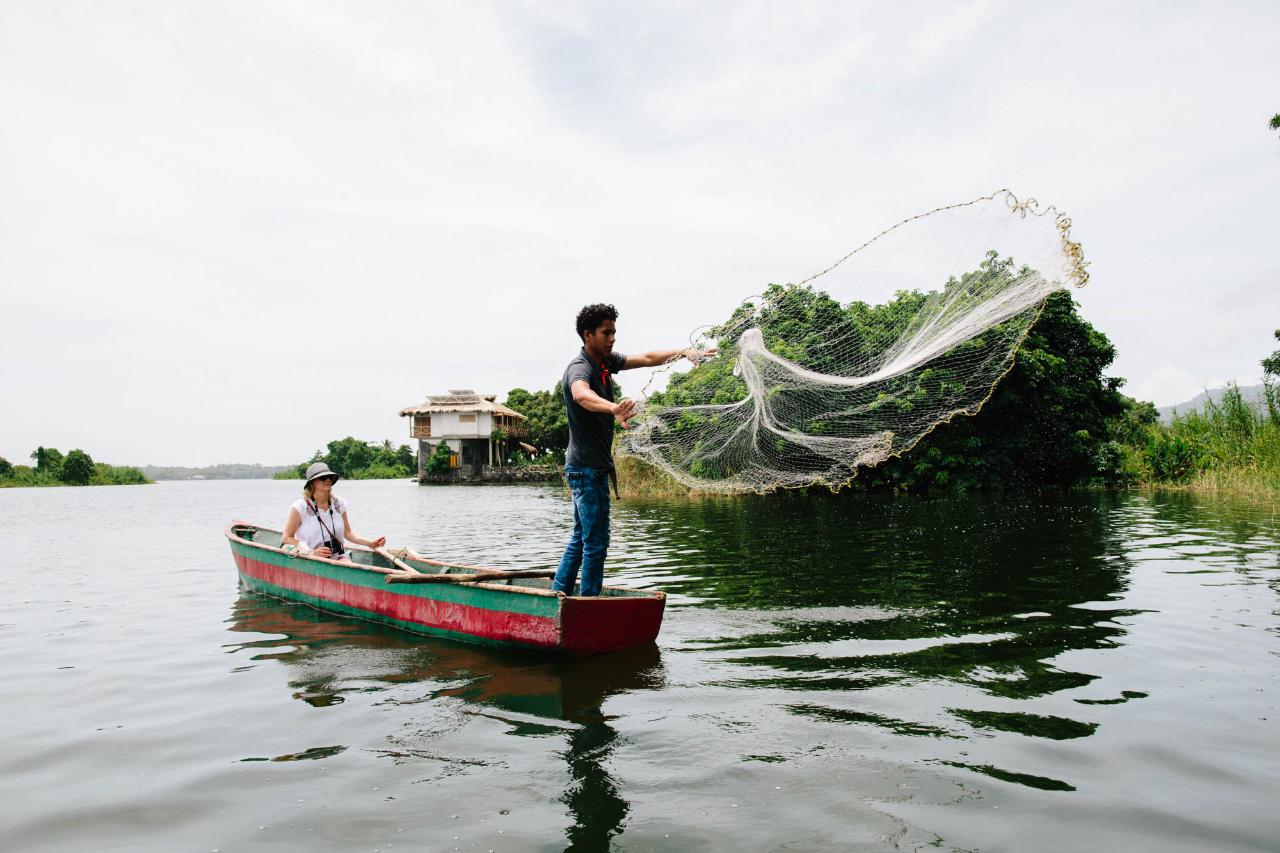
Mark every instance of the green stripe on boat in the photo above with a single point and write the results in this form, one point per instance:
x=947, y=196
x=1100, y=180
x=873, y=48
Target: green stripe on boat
x=472, y=596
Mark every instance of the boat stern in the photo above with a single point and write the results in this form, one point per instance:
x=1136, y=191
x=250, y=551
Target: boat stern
x=606, y=623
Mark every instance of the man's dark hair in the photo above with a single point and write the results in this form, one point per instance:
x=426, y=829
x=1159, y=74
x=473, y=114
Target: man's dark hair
x=592, y=317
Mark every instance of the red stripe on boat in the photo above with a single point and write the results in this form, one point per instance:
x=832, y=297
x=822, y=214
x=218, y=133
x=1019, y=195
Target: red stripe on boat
x=476, y=621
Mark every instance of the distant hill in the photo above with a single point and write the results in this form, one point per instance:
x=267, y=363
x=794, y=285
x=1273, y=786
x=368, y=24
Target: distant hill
x=1251, y=394
x=225, y=471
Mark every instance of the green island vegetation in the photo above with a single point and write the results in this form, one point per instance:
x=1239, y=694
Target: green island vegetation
x=353, y=459
x=76, y=468
x=1054, y=420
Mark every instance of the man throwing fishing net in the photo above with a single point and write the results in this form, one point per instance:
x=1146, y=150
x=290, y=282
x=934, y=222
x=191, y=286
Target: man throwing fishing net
x=588, y=463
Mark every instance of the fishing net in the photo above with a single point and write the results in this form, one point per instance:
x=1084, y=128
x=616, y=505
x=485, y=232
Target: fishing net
x=812, y=384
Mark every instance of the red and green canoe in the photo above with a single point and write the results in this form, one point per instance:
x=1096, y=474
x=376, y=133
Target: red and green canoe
x=507, y=612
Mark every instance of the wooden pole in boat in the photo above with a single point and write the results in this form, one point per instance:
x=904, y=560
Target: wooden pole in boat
x=473, y=574
x=422, y=558
x=396, y=561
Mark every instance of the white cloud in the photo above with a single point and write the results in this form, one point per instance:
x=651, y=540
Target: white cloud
x=194, y=191
x=1170, y=385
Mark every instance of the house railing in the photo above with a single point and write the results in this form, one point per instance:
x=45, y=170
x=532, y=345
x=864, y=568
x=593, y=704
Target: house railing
x=424, y=430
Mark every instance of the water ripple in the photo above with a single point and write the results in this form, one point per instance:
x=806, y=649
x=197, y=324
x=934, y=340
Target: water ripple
x=833, y=672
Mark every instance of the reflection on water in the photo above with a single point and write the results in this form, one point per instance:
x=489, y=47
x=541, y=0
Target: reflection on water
x=326, y=656
x=1060, y=671
x=878, y=593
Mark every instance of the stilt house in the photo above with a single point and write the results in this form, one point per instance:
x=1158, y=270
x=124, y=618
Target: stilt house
x=466, y=422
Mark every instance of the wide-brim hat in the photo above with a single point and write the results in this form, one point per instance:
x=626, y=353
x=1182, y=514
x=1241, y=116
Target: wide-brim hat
x=317, y=470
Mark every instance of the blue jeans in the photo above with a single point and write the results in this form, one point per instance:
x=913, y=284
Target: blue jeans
x=590, y=540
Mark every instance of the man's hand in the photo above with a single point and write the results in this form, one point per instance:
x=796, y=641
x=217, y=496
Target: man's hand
x=623, y=411
x=697, y=355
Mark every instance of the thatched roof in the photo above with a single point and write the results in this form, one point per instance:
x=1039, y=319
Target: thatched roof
x=461, y=401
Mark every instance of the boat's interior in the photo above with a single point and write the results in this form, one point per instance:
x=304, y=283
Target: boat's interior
x=364, y=557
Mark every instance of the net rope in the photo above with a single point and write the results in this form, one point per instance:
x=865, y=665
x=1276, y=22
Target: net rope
x=811, y=384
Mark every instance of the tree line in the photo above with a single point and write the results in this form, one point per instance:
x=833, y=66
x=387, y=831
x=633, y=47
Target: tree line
x=353, y=459
x=76, y=468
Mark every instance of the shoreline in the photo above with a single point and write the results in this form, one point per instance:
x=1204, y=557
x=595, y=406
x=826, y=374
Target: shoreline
x=10, y=484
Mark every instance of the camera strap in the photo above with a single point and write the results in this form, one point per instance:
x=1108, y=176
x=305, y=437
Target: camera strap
x=330, y=532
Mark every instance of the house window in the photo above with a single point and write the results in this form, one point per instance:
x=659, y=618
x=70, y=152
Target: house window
x=466, y=419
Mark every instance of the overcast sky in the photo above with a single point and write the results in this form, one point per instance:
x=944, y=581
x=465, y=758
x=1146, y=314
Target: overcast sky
x=230, y=232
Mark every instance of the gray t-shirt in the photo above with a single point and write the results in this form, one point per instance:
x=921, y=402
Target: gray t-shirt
x=590, y=433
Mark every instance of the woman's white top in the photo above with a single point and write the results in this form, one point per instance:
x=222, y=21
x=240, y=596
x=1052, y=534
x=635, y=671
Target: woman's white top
x=310, y=533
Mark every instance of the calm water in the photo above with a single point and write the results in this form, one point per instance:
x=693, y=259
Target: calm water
x=1060, y=673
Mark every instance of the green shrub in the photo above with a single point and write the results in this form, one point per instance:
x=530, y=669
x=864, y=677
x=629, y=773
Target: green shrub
x=24, y=475
x=77, y=468
x=439, y=461
x=116, y=475
x=1172, y=458
x=48, y=461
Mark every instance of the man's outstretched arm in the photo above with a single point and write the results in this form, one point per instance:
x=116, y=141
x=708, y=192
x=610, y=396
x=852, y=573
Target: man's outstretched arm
x=663, y=356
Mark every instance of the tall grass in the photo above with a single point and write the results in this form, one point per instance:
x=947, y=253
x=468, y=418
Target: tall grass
x=637, y=478
x=1227, y=446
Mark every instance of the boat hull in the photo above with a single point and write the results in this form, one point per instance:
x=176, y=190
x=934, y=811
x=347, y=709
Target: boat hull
x=510, y=614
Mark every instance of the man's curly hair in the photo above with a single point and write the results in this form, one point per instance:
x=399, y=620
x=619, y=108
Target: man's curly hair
x=592, y=317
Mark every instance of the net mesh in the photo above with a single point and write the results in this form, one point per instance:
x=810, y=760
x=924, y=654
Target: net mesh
x=812, y=384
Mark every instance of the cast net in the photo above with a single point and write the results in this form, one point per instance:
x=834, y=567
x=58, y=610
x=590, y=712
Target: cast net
x=812, y=384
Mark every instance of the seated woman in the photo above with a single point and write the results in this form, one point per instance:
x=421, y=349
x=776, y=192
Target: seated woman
x=318, y=523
